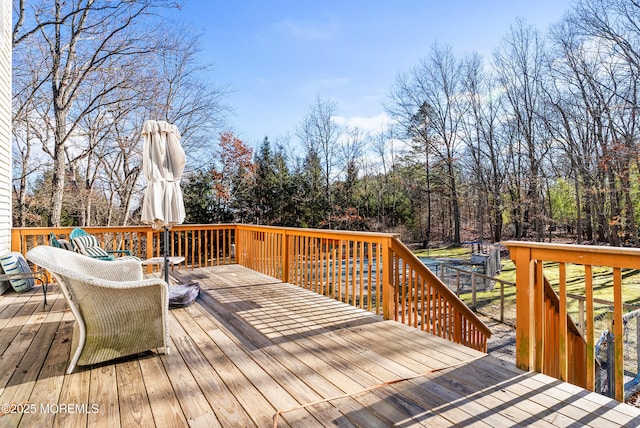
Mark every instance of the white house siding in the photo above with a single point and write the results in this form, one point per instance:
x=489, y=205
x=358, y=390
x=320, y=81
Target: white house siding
x=5, y=129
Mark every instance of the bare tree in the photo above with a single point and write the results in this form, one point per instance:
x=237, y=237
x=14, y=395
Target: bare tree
x=85, y=41
x=594, y=98
x=429, y=106
x=385, y=146
x=179, y=91
x=320, y=134
x=520, y=69
x=94, y=71
x=484, y=143
x=27, y=132
x=350, y=155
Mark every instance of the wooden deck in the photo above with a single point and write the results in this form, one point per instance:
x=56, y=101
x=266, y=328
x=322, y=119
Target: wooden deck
x=251, y=348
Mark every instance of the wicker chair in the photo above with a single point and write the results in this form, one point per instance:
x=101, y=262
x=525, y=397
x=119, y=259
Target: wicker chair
x=118, y=312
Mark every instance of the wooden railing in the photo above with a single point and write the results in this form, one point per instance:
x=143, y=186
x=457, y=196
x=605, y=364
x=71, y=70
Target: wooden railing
x=422, y=300
x=545, y=341
x=372, y=271
x=576, y=346
x=201, y=245
x=346, y=266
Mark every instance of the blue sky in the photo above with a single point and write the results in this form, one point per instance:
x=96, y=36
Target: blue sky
x=277, y=56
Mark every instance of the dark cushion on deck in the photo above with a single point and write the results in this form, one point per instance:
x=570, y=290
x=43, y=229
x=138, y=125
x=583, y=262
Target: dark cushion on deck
x=183, y=295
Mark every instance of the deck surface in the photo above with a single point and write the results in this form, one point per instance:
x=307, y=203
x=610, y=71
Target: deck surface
x=252, y=349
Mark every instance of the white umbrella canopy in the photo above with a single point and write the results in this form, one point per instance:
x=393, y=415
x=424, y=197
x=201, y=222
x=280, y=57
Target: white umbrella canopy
x=163, y=162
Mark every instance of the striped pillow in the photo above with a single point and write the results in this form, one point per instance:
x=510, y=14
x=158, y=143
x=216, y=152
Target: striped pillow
x=13, y=263
x=89, y=246
x=95, y=252
x=65, y=245
x=82, y=242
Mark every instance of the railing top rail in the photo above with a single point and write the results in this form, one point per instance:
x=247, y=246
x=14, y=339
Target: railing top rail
x=307, y=231
x=116, y=228
x=595, y=255
x=290, y=230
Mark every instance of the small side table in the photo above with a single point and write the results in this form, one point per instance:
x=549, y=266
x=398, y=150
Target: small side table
x=159, y=261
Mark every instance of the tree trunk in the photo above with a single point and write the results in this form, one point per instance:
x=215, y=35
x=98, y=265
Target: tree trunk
x=578, y=210
x=614, y=213
x=455, y=204
x=58, y=177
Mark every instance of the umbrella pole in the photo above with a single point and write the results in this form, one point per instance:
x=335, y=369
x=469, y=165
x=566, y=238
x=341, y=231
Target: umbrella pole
x=166, y=255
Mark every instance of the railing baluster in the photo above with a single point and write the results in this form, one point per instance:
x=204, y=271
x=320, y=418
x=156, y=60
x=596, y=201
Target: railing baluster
x=563, y=351
x=215, y=254
x=353, y=254
x=370, y=277
x=618, y=331
x=324, y=267
x=317, y=242
x=335, y=270
x=591, y=357
x=360, y=275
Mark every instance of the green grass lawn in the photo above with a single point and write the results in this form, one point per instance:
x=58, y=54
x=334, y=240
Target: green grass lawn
x=448, y=252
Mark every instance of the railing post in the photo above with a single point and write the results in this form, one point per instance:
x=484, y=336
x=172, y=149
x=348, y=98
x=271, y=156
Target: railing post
x=239, y=248
x=388, y=287
x=16, y=241
x=149, y=249
x=525, y=313
x=285, y=256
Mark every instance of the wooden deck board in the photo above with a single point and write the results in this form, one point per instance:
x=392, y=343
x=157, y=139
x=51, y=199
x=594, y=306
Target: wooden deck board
x=194, y=404
x=251, y=347
x=247, y=395
x=162, y=397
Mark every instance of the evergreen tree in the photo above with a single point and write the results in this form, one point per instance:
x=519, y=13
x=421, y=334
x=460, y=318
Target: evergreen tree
x=314, y=200
x=199, y=200
x=285, y=209
x=264, y=189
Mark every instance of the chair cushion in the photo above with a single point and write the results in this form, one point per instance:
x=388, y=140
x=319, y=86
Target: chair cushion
x=82, y=242
x=13, y=263
x=95, y=252
x=89, y=245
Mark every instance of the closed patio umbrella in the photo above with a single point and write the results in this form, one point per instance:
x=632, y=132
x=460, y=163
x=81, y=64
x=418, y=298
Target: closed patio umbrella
x=163, y=162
